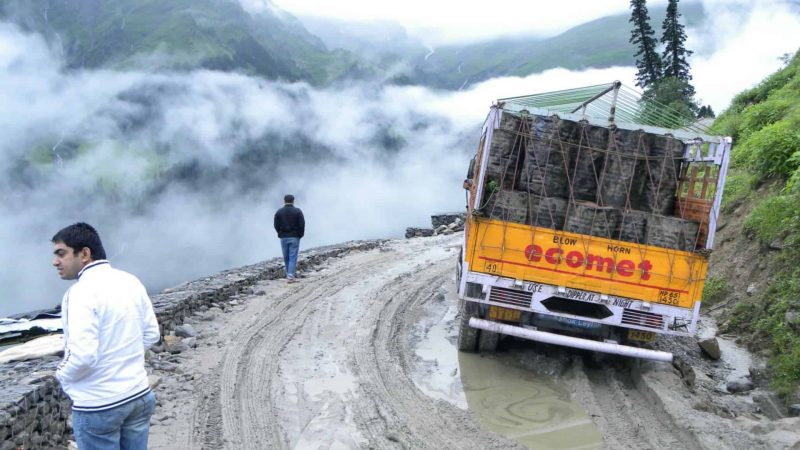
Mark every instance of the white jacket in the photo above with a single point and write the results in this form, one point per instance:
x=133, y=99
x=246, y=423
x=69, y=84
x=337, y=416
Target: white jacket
x=108, y=324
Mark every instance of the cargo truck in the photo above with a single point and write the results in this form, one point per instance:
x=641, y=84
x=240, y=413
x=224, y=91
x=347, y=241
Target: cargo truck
x=590, y=219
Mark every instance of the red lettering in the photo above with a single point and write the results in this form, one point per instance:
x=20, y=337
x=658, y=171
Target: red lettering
x=553, y=255
x=625, y=267
x=574, y=259
x=599, y=261
x=533, y=253
x=645, y=267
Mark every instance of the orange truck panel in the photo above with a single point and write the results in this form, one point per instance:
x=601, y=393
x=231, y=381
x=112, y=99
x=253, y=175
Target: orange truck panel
x=560, y=258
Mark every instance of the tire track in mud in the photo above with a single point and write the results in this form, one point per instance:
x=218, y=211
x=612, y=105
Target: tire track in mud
x=628, y=417
x=392, y=411
x=245, y=400
x=250, y=366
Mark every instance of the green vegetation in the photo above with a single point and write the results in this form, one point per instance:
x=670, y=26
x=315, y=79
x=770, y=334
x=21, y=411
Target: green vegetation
x=738, y=187
x=666, y=79
x=715, y=289
x=599, y=43
x=643, y=37
x=765, y=122
x=773, y=218
x=181, y=34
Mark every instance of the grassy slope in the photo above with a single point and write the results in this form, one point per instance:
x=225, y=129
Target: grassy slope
x=760, y=244
x=599, y=43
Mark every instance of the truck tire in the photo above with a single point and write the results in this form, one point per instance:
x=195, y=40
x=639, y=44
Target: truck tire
x=487, y=341
x=467, y=336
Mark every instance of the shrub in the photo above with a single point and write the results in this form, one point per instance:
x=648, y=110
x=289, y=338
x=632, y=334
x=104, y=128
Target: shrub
x=738, y=186
x=783, y=296
x=741, y=319
x=762, y=114
x=769, y=151
x=775, y=217
x=714, y=290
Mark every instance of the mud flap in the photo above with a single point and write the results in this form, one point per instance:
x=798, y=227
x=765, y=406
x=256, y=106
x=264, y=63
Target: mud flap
x=487, y=341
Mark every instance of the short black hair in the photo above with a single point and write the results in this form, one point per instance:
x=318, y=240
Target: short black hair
x=80, y=235
x=288, y=198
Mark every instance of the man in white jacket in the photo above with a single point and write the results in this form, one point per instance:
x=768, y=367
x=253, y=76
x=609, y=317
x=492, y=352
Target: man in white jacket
x=108, y=324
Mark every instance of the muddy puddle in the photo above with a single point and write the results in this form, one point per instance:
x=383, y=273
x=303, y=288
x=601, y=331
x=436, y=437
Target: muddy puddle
x=534, y=410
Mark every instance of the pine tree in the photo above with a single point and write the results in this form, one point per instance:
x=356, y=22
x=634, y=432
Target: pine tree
x=674, y=61
x=705, y=111
x=647, y=60
x=675, y=53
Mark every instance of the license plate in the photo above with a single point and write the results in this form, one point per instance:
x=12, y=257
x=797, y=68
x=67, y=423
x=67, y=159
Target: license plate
x=504, y=314
x=641, y=336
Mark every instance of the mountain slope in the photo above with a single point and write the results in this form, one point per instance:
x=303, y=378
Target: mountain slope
x=755, y=275
x=599, y=43
x=215, y=34
x=382, y=43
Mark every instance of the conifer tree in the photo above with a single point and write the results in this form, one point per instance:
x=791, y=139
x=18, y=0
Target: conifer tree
x=705, y=111
x=673, y=37
x=674, y=62
x=647, y=60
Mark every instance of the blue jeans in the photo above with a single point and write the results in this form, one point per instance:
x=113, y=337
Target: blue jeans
x=124, y=427
x=290, y=247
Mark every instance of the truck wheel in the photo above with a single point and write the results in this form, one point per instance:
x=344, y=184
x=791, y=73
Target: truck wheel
x=467, y=336
x=487, y=341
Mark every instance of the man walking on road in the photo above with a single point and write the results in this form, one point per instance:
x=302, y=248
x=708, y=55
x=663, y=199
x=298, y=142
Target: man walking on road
x=290, y=225
x=108, y=323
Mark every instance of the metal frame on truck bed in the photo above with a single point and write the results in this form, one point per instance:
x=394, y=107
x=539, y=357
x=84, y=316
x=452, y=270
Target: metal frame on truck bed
x=590, y=219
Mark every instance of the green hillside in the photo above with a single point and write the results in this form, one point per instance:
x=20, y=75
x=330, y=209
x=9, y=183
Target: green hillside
x=762, y=195
x=219, y=34
x=599, y=43
x=214, y=34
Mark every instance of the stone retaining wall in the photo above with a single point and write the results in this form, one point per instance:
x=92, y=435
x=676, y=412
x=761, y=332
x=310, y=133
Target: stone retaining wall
x=35, y=413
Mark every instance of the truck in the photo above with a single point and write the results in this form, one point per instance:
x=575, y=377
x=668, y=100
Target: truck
x=590, y=219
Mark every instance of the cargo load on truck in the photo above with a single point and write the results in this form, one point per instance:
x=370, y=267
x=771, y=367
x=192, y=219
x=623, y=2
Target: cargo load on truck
x=591, y=215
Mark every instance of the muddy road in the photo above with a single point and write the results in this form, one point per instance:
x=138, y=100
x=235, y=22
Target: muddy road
x=360, y=353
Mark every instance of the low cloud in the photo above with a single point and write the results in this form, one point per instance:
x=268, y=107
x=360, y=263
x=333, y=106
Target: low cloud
x=739, y=45
x=182, y=172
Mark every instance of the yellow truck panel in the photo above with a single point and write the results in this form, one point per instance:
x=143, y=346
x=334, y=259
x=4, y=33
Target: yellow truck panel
x=561, y=258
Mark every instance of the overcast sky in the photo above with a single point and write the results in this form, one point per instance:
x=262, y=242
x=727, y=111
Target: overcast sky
x=457, y=20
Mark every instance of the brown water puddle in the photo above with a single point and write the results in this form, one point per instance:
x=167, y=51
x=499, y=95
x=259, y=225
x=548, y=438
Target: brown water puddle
x=523, y=406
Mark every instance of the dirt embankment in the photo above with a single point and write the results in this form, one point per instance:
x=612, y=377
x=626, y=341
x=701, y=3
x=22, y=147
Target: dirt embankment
x=361, y=354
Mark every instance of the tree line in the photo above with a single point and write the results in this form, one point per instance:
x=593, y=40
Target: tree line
x=664, y=77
